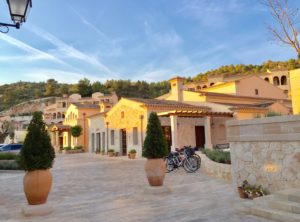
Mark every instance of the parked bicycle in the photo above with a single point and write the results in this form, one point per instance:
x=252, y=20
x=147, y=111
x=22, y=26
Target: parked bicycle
x=185, y=157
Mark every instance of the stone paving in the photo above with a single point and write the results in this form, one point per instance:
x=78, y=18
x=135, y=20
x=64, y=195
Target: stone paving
x=89, y=187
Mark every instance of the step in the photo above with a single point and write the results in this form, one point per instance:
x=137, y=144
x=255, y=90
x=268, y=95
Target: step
x=292, y=195
x=283, y=205
x=273, y=214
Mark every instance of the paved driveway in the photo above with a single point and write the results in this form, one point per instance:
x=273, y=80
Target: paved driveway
x=88, y=187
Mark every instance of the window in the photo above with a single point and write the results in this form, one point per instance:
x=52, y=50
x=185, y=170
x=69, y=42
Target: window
x=135, y=136
x=256, y=92
x=276, y=81
x=64, y=105
x=112, y=137
x=211, y=84
x=98, y=141
x=283, y=80
x=203, y=87
x=267, y=79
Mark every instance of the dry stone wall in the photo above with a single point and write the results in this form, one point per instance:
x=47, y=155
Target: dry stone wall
x=266, y=151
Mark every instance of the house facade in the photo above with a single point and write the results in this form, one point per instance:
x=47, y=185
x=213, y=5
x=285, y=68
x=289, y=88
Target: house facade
x=295, y=90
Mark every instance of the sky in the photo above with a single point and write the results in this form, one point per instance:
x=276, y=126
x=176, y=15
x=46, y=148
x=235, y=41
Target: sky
x=150, y=40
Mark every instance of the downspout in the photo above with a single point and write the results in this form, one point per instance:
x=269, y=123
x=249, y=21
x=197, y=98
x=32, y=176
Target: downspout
x=107, y=123
x=142, y=136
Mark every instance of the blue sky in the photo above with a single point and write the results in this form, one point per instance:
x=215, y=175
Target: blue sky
x=148, y=40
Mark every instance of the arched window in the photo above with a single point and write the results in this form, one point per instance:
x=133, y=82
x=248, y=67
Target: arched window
x=64, y=104
x=58, y=115
x=267, y=79
x=283, y=80
x=211, y=84
x=203, y=87
x=276, y=81
x=54, y=115
x=63, y=115
x=198, y=87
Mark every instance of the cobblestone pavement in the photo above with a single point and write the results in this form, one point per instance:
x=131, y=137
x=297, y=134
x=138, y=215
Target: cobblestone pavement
x=88, y=187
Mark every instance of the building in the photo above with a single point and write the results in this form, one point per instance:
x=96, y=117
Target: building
x=187, y=117
x=278, y=78
x=55, y=113
x=295, y=90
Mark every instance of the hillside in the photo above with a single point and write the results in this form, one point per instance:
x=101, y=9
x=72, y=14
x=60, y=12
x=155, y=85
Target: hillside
x=16, y=93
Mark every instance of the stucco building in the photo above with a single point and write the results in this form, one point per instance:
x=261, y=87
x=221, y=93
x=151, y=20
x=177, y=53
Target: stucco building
x=187, y=117
x=295, y=90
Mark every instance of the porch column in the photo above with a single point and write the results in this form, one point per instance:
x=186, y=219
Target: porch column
x=52, y=138
x=174, y=131
x=207, y=129
x=57, y=138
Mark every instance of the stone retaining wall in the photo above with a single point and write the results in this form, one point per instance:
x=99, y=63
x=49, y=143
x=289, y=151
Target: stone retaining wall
x=219, y=170
x=266, y=151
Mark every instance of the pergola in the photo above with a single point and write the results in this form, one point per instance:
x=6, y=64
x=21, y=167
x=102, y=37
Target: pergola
x=196, y=113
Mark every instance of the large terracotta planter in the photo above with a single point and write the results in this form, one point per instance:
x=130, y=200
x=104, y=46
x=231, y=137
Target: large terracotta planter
x=37, y=185
x=155, y=171
x=132, y=155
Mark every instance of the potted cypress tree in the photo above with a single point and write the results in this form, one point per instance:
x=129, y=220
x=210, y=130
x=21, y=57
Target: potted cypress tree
x=154, y=149
x=76, y=131
x=36, y=158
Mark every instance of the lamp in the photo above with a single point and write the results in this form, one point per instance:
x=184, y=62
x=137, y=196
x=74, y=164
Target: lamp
x=18, y=10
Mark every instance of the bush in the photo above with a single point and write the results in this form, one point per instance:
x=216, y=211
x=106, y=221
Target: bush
x=155, y=144
x=218, y=156
x=272, y=113
x=66, y=148
x=111, y=151
x=10, y=166
x=78, y=147
x=132, y=151
x=8, y=156
x=37, y=152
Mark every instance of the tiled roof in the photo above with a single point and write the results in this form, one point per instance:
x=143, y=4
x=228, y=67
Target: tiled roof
x=166, y=103
x=86, y=106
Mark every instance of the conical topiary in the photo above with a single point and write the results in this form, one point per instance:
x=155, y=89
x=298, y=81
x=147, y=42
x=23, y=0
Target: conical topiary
x=37, y=152
x=155, y=144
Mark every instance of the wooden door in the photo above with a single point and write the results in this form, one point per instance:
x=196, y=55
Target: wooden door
x=168, y=136
x=200, y=136
x=124, y=142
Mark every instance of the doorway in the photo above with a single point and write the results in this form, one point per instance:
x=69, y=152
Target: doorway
x=200, y=136
x=168, y=135
x=123, y=142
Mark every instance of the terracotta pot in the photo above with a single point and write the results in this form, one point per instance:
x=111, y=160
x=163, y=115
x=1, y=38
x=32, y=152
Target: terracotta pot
x=242, y=193
x=155, y=171
x=110, y=154
x=132, y=155
x=37, y=185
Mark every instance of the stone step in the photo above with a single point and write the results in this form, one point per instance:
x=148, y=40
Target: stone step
x=274, y=214
x=292, y=195
x=283, y=205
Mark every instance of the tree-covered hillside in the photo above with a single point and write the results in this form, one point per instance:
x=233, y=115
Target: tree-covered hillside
x=15, y=93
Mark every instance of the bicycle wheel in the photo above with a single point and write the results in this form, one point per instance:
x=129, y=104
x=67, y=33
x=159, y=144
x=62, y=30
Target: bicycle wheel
x=191, y=164
x=199, y=160
x=169, y=165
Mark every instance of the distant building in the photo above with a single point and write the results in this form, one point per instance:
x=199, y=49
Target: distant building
x=278, y=78
x=56, y=112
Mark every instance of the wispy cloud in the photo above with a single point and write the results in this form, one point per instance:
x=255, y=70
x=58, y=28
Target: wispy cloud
x=35, y=54
x=71, y=52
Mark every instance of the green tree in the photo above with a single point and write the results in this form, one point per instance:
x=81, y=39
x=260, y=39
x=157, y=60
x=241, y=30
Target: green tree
x=64, y=89
x=155, y=144
x=37, y=152
x=76, y=132
x=99, y=87
x=50, y=87
x=84, y=87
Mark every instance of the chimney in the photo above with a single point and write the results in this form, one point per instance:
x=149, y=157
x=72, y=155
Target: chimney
x=177, y=88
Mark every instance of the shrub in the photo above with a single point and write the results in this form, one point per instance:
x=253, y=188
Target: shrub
x=37, y=152
x=132, y=151
x=76, y=131
x=8, y=156
x=10, y=166
x=67, y=148
x=272, y=113
x=111, y=151
x=78, y=147
x=218, y=156
x=155, y=144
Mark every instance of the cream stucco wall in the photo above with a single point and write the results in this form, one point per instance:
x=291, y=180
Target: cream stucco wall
x=97, y=127
x=226, y=88
x=295, y=90
x=247, y=87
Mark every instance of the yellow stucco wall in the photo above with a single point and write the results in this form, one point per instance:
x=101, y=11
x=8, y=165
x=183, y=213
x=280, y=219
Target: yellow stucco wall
x=295, y=90
x=226, y=88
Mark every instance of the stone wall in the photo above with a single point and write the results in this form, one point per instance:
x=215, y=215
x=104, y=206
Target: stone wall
x=266, y=151
x=219, y=170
